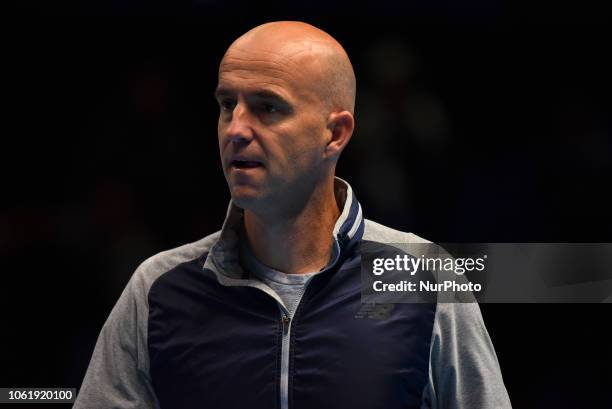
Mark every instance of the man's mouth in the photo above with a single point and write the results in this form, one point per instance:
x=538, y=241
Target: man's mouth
x=245, y=164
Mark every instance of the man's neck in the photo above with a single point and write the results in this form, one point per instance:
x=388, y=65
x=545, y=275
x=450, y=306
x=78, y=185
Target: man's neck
x=298, y=243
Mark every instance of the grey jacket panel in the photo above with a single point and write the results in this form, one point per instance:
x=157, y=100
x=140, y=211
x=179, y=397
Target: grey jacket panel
x=464, y=371
x=118, y=373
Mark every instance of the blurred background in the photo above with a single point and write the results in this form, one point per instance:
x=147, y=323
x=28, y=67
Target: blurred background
x=480, y=122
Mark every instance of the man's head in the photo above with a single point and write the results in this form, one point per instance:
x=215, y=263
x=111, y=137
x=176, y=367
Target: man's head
x=286, y=93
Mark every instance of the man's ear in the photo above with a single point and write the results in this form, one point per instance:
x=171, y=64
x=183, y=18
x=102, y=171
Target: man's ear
x=340, y=125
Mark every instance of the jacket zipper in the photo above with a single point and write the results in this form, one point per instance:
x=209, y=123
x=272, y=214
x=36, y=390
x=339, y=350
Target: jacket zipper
x=286, y=321
x=284, y=375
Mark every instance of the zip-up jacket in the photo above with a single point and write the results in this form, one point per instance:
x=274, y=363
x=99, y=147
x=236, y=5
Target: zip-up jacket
x=194, y=329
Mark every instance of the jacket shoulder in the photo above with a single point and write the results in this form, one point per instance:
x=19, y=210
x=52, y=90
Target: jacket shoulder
x=155, y=266
x=378, y=233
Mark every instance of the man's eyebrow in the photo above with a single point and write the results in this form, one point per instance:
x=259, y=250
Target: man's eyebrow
x=265, y=94
x=222, y=92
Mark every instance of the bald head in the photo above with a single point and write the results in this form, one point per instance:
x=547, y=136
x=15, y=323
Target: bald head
x=286, y=95
x=315, y=56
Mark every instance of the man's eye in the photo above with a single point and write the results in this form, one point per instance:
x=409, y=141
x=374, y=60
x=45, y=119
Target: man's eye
x=227, y=105
x=270, y=109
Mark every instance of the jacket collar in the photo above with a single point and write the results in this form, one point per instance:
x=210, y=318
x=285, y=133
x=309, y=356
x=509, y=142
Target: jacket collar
x=223, y=258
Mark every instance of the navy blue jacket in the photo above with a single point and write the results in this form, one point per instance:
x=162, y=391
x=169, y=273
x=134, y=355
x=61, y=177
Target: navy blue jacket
x=193, y=329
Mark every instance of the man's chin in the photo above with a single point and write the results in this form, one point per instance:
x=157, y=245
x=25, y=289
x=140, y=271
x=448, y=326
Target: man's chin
x=246, y=198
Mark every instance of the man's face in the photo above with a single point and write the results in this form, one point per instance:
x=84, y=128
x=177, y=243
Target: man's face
x=271, y=126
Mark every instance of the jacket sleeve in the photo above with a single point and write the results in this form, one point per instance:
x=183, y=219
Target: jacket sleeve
x=464, y=372
x=118, y=374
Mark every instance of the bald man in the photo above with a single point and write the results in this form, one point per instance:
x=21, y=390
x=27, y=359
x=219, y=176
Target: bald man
x=265, y=312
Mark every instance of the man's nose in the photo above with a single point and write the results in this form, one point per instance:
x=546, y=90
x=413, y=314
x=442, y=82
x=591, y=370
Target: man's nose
x=240, y=128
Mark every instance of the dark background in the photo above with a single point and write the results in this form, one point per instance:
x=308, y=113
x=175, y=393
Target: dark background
x=484, y=122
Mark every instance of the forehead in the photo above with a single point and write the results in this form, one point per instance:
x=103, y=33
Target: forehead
x=289, y=74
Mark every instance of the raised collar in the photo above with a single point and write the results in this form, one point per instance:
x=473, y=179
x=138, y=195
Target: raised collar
x=224, y=260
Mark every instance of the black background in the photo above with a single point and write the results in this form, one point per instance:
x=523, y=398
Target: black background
x=485, y=122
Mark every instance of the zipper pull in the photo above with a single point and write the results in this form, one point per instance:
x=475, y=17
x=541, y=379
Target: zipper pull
x=286, y=321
